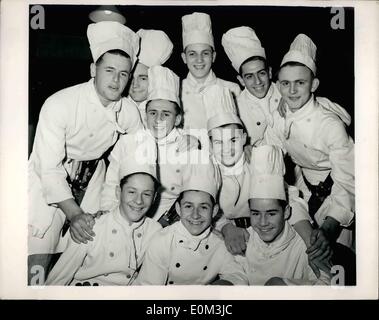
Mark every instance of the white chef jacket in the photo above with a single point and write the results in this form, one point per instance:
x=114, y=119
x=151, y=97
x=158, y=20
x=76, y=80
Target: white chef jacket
x=73, y=126
x=234, y=195
x=315, y=137
x=256, y=114
x=171, y=166
x=176, y=257
x=195, y=113
x=112, y=258
x=285, y=257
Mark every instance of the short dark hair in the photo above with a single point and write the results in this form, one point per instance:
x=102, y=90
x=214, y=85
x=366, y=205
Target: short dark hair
x=125, y=179
x=296, y=64
x=114, y=51
x=253, y=58
x=181, y=197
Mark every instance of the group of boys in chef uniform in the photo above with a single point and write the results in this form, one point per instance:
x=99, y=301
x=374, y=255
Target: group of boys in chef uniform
x=183, y=183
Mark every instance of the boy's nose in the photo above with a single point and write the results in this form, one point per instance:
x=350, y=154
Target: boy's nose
x=138, y=199
x=292, y=88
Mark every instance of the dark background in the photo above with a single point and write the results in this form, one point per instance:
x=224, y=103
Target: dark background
x=59, y=55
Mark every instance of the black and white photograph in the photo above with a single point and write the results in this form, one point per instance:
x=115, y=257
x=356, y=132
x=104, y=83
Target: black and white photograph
x=202, y=145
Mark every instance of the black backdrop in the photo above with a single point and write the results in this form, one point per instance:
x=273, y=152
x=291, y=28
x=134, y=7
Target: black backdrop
x=59, y=55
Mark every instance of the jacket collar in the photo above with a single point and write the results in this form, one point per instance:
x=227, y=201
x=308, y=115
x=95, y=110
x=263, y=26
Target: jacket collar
x=199, y=87
x=190, y=241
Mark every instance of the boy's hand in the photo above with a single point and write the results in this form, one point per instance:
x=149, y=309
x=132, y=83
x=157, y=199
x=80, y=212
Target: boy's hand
x=275, y=281
x=188, y=143
x=81, y=228
x=235, y=239
x=319, y=252
x=247, y=150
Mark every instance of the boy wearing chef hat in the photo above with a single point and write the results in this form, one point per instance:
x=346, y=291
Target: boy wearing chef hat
x=163, y=115
x=189, y=252
x=199, y=54
x=77, y=125
x=227, y=140
x=275, y=254
x=260, y=97
x=156, y=49
x=314, y=135
x=123, y=234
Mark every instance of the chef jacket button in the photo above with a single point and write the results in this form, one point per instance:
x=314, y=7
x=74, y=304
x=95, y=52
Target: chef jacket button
x=172, y=188
x=177, y=170
x=111, y=254
x=128, y=276
x=258, y=123
x=206, y=247
x=78, y=284
x=95, y=284
x=114, y=231
x=177, y=265
x=86, y=283
x=139, y=235
x=305, y=146
x=309, y=120
x=276, y=100
x=205, y=268
x=91, y=135
x=180, y=241
x=171, y=282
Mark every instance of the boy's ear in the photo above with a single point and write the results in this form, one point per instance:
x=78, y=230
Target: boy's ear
x=240, y=79
x=244, y=137
x=177, y=207
x=215, y=210
x=315, y=84
x=270, y=73
x=178, y=119
x=184, y=57
x=93, y=70
x=213, y=56
x=287, y=212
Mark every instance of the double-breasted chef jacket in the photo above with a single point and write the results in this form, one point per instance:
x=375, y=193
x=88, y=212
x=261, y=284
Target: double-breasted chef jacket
x=175, y=257
x=112, y=258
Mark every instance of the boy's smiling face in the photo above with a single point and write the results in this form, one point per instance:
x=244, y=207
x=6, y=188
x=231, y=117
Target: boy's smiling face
x=161, y=117
x=296, y=84
x=140, y=83
x=256, y=78
x=196, y=210
x=267, y=218
x=199, y=58
x=137, y=195
x=227, y=144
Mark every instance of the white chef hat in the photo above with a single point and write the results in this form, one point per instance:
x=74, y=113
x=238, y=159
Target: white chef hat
x=110, y=35
x=268, y=171
x=142, y=157
x=302, y=50
x=197, y=28
x=163, y=84
x=202, y=176
x=220, y=107
x=156, y=47
x=241, y=44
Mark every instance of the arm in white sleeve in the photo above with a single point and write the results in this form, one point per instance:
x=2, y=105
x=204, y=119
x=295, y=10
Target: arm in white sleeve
x=231, y=270
x=129, y=118
x=68, y=264
x=49, y=149
x=340, y=204
x=155, y=266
